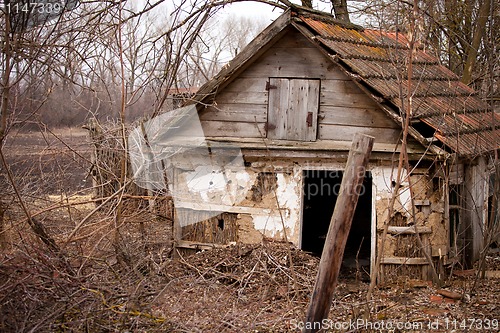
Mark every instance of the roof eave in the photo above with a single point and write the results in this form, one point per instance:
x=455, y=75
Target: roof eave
x=433, y=149
x=243, y=59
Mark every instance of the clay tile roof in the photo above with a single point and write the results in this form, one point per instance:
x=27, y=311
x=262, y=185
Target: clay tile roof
x=377, y=61
x=461, y=120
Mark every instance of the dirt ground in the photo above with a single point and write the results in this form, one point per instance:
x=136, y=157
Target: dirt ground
x=92, y=287
x=238, y=289
x=49, y=162
x=255, y=289
x=125, y=277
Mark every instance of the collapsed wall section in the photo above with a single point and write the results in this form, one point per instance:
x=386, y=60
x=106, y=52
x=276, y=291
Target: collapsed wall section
x=267, y=204
x=270, y=203
x=418, y=212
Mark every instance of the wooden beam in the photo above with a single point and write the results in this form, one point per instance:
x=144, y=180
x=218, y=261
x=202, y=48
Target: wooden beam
x=408, y=230
x=252, y=51
x=425, y=202
x=338, y=231
x=326, y=145
x=231, y=209
x=404, y=261
x=183, y=244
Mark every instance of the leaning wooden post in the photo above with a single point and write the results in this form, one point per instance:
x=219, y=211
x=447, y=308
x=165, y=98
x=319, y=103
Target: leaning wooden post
x=340, y=224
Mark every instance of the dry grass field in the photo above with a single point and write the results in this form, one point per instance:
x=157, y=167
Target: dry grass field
x=50, y=162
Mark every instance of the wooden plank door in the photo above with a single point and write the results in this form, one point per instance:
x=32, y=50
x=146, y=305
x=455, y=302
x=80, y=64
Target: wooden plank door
x=278, y=108
x=293, y=109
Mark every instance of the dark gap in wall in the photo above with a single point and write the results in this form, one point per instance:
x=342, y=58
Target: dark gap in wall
x=424, y=129
x=220, y=224
x=321, y=189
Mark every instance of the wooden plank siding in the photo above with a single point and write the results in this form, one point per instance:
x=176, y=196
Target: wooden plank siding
x=234, y=129
x=346, y=133
x=304, y=97
x=241, y=109
x=278, y=109
x=351, y=116
x=250, y=113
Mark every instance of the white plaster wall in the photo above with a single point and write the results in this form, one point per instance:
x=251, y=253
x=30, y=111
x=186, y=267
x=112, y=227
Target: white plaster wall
x=288, y=201
x=229, y=191
x=281, y=209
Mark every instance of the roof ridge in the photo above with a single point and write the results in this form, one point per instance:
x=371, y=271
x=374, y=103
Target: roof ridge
x=322, y=16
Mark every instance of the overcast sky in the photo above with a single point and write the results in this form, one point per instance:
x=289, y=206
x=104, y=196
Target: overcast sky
x=250, y=8
x=268, y=12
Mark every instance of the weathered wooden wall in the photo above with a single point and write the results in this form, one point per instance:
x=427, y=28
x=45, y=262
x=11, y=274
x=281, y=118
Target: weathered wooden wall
x=245, y=110
x=241, y=108
x=476, y=203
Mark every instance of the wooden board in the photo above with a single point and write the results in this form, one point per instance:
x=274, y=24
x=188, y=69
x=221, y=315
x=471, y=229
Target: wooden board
x=408, y=230
x=278, y=109
x=476, y=208
x=338, y=231
x=351, y=116
x=320, y=145
x=233, y=129
x=294, y=63
x=183, y=244
x=293, y=39
x=346, y=133
x=196, y=206
x=340, y=86
x=231, y=107
x=236, y=112
x=247, y=84
x=304, y=102
x=404, y=261
x=360, y=100
x=242, y=97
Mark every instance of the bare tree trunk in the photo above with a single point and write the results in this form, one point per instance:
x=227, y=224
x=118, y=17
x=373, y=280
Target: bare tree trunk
x=340, y=8
x=307, y=3
x=117, y=241
x=5, y=80
x=4, y=103
x=476, y=41
x=3, y=237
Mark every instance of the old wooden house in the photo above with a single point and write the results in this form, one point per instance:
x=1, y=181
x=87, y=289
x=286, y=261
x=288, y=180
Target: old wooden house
x=292, y=101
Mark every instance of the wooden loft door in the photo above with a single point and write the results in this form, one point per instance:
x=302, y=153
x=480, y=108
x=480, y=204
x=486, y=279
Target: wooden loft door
x=293, y=109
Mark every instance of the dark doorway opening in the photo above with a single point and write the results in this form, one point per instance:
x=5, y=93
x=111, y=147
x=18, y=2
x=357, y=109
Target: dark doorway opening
x=321, y=189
